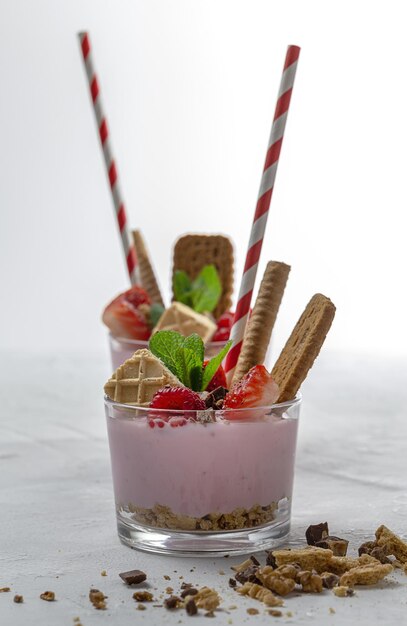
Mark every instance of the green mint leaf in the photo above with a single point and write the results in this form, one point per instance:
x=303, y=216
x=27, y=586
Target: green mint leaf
x=213, y=365
x=156, y=310
x=189, y=364
x=165, y=345
x=206, y=290
x=182, y=287
x=194, y=342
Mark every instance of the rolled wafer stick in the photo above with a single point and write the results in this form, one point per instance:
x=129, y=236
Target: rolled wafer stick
x=303, y=346
x=148, y=279
x=263, y=317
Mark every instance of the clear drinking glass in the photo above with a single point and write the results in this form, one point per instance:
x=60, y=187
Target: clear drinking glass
x=185, y=485
x=122, y=349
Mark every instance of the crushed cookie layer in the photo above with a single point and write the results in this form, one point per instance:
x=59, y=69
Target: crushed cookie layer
x=163, y=517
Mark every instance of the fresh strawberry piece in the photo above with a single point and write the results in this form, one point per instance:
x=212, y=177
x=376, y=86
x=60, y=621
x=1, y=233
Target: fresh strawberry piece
x=177, y=398
x=257, y=388
x=156, y=422
x=224, y=325
x=126, y=315
x=177, y=420
x=218, y=380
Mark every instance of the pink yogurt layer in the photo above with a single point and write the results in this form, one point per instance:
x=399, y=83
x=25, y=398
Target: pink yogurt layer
x=198, y=469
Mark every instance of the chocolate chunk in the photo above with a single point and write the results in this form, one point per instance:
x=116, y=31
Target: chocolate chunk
x=248, y=575
x=185, y=585
x=271, y=560
x=215, y=398
x=366, y=547
x=232, y=583
x=338, y=546
x=134, y=577
x=329, y=581
x=172, y=602
x=316, y=532
x=189, y=591
x=191, y=608
x=379, y=553
x=18, y=599
x=255, y=561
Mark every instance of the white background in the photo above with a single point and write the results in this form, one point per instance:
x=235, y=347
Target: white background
x=189, y=87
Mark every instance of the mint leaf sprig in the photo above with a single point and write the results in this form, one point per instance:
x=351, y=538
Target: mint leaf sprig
x=184, y=357
x=202, y=293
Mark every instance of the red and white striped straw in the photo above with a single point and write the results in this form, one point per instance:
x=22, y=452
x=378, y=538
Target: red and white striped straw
x=127, y=241
x=262, y=209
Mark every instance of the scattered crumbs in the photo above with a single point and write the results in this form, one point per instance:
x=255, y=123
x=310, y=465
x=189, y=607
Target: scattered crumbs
x=103, y=572
x=331, y=610
x=289, y=614
x=191, y=570
x=175, y=571
x=209, y=614
x=140, y=607
x=49, y=596
x=166, y=577
x=76, y=619
x=4, y=589
x=221, y=572
x=181, y=577
x=232, y=607
x=226, y=556
x=277, y=613
x=18, y=599
x=252, y=611
x=158, y=606
x=169, y=590
x=230, y=621
x=143, y=596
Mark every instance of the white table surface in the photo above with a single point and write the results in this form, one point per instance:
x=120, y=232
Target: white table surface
x=57, y=528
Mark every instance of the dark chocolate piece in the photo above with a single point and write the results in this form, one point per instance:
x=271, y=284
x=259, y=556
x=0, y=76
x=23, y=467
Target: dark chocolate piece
x=215, y=398
x=338, y=546
x=316, y=532
x=134, y=577
x=255, y=561
x=329, y=581
x=172, y=602
x=379, y=553
x=248, y=575
x=232, y=583
x=18, y=599
x=191, y=608
x=366, y=547
x=271, y=560
x=189, y=591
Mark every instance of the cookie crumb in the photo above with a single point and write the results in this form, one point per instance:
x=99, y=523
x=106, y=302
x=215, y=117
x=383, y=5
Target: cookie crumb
x=342, y=591
x=103, y=572
x=252, y=611
x=191, y=607
x=18, y=599
x=97, y=598
x=49, y=596
x=4, y=589
x=166, y=577
x=143, y=596
x=140, y=607
x=331, y=610
x=221, y=572
x=276, y=613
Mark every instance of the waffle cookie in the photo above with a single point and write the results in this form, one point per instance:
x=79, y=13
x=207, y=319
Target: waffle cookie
x=303, y=346
x=193, y=252
x=148, y=279
x=184, y=320
x=262, y=319
x=137, y=380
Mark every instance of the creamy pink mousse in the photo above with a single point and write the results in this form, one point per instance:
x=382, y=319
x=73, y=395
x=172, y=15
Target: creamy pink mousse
x=198, y=469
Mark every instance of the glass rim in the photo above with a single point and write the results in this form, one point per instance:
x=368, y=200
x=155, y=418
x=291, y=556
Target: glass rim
x=133, y=407
x=145, y=341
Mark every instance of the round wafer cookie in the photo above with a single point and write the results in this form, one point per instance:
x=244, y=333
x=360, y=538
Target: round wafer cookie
x=193, y=252
x=262, y=319
x=303, y=346
x=147, y=275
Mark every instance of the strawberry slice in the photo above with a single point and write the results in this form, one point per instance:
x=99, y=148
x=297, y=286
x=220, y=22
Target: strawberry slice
x=175, y=398
x=257, y=388
x=127, y=315
x=224, y=325
x=218, y=380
